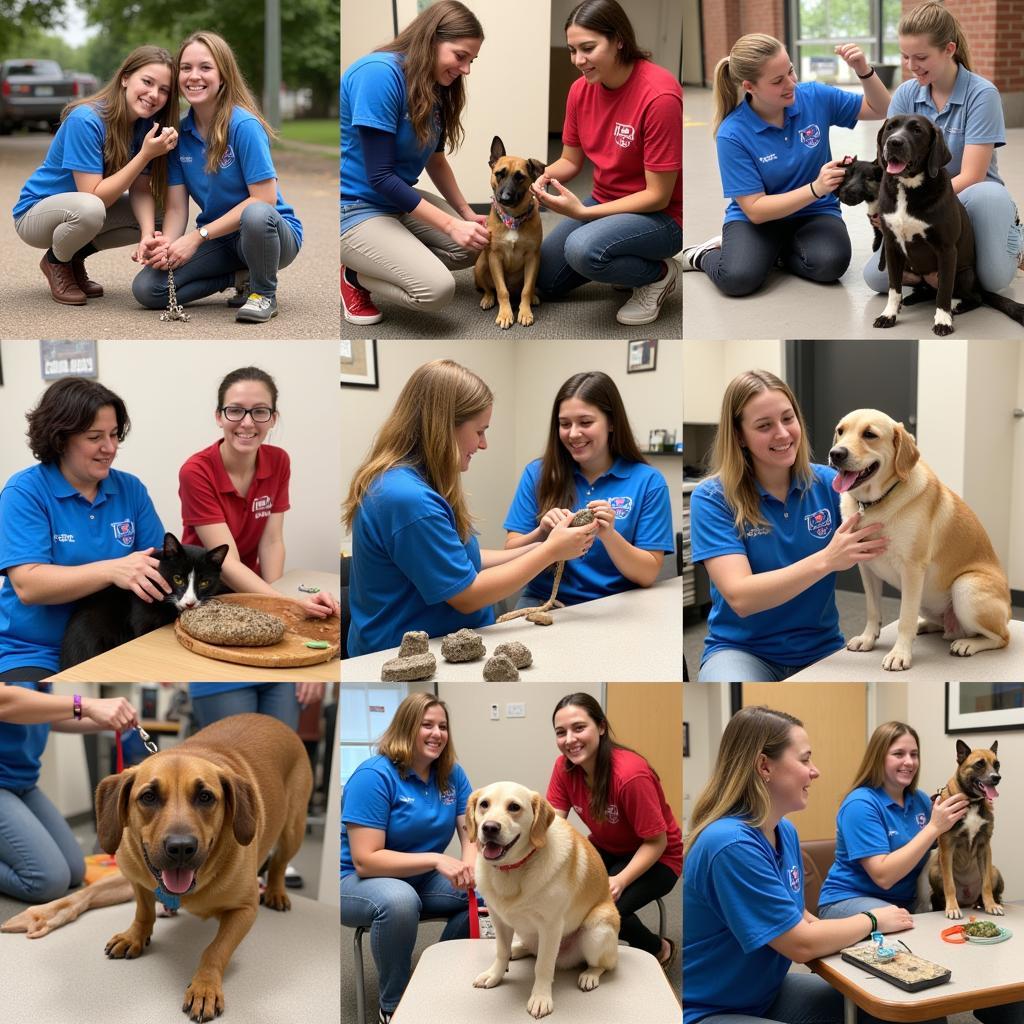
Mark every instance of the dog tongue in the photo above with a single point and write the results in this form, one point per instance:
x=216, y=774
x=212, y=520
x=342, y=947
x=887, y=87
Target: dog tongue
x=844, y=481
x=990, y=791
x=896, y=166
x=177, y=880
x=492, y=851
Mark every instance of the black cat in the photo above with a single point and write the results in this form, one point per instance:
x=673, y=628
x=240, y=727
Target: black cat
x=113, y=616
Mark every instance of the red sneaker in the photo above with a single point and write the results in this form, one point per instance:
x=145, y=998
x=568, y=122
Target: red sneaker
x=356, y=304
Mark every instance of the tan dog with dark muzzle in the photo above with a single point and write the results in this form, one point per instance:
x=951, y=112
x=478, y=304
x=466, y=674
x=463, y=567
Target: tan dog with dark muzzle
x=193, y=824
x=512, y=257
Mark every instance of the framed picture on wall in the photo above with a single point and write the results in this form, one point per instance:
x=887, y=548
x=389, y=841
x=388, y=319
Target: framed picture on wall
x=359, y=364
x=984, y=707
x=643, y=355
x=686, y=739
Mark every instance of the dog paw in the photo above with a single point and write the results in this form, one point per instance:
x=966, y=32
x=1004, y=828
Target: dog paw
x=487, y=302
x=589, y=979
x=994, y=909
x=525, y=316
x=864, y=642
x=126, y=945
x=953, y=912
x=204, y=998
x=884, y=321
x=276, y=900
x=966, y=646
x=942, y=329
x=540, y=1004
x=504, y=318
x=896, y=660
x=491, y=977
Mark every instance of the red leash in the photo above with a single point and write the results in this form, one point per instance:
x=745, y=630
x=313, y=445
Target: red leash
x=474, y=916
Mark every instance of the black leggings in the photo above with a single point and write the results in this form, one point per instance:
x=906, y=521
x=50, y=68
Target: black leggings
x=656, y=881
x=816, y=248
x=26, y=674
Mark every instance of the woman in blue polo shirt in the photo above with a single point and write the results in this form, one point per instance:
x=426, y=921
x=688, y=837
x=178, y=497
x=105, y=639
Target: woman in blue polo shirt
x=969, y=111
x=777, y=168
x=416, y=561
x=591, y=460
x=245, y=232
x=399, y=811
x=743, y=887
x=103, y=174
x=765, y=523
x=70, y=525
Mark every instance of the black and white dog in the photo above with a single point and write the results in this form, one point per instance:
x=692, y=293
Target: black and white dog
x=862, y=184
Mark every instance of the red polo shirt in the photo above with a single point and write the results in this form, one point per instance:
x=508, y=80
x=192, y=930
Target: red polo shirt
x=208, y=496
x=636, y=808
x=624, y=131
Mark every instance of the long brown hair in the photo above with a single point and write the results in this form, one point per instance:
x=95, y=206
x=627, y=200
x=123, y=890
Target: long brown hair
x=399, y=739
x=112, y=106
x=607, y=18
x=745, y=63
x=556, y=487
x=441, y=22
x=234, y=92
x=931, y=19
x=420, y=432
x=871, y=770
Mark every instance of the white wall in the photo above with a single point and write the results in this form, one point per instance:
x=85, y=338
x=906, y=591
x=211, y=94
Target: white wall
x=708, y=366
x=1016, y=566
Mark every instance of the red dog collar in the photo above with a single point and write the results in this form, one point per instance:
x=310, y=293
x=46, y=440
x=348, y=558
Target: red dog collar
x=518, y=863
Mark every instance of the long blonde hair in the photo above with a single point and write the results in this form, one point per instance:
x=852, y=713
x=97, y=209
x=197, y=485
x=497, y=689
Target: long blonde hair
x=871, y=770
x=399, y=739
x=112, y=106
x=730, y=461
x=420, y=432
x=736, y=788
x=234, y=92
x=931, y=19
x=745, y=63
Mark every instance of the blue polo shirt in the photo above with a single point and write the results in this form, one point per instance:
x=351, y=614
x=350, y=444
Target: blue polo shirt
x=21, y=749
x=643, y=516
x=44, y=519
x=973, y=115
x=246, y=160
x=407, y=561
x=870, y=822
x=415, y=816
x=755, y=156
x=77, y=146
x=740, y=892
x=805, y=628
x=373, y=95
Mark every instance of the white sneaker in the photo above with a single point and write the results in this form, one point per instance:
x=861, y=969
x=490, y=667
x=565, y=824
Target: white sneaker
x=644, y=305
x=693, y=254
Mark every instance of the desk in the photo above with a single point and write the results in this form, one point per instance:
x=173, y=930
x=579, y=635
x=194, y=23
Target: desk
x=981, y=975
x=630, y=637
x=932, y=662
x=158, y=657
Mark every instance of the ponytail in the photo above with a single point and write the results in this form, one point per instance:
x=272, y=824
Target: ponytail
x=745, y=63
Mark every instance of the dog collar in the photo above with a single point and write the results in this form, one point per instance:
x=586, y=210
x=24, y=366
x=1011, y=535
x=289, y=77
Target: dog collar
x=518, y=863
x=861, y=505
x=171, y=900
x=510, y=222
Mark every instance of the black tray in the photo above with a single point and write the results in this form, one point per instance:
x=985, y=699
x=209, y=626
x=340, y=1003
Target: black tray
x=887, y=973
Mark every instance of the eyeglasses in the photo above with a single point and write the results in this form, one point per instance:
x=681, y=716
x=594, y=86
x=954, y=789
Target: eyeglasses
x=237, y=413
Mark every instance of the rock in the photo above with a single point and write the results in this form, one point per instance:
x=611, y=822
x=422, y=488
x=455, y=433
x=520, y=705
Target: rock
x=540, y=618
x=414, y=642
x=231, y=625
x=465, y=645
x=519, y=654
x=500, y=669
x=409, y=669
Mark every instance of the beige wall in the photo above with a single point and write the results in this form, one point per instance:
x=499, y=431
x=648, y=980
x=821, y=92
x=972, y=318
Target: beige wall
x=1016, y=567
x=708, y=366
x=364, y=26
x=170, y=389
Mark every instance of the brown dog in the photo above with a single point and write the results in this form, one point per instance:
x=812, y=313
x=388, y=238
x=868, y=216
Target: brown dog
x=512, y=257
x=193, y=824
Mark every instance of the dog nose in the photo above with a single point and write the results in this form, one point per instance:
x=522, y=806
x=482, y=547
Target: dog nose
x=180, y=849
x=996, y=779
x=838, y=456
x=490, y=829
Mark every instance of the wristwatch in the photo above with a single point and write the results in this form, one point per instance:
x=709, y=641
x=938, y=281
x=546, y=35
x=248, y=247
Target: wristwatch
x=76, y=709
x=204, y=234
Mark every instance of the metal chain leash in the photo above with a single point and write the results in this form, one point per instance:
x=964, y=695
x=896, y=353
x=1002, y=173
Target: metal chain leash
x=173, y=311
x=143, y=735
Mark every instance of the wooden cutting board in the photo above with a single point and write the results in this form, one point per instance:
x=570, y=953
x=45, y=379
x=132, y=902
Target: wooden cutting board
x=289, y=652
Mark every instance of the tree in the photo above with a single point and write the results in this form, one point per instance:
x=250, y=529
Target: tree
x=20, y=17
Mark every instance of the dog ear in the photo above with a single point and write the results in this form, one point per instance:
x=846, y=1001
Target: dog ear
x=939, y=154
x=879, y=139
x=543, y=815
x=995, y=747
x=471, y=815
x=112, y=809
x=535, y=167
x=962, y=750
x=240, y=799
x=907, y=452
x=497, y=151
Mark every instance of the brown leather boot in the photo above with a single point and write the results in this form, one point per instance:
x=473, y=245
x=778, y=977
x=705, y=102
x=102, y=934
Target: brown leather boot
x=63, y=286
x=92, y=289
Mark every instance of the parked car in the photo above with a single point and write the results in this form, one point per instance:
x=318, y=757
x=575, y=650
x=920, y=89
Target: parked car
x=33, y=91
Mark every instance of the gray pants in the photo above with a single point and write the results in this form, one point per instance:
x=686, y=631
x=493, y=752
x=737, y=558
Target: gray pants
x=403, y=260
x=70, y=220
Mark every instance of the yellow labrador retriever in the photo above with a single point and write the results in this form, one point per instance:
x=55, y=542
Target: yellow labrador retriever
x=544, y=882
x=939, y=555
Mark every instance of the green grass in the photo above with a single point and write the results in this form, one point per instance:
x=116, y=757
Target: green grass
x=322, y=132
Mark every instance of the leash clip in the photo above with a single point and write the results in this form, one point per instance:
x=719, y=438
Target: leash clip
x=147, y=742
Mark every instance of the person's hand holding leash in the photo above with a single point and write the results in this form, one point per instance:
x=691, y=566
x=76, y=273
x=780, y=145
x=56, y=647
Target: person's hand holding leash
x=114, y=713
x=181, y=250
x=458, y=873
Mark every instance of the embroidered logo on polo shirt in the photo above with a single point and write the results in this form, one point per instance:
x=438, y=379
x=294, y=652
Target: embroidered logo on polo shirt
x=611, y=813
x=810, y=136
x=621, y=506
x=124, y=533
x=921, y=821
x=185, y=158
x=769, y=158
x=758, y=531
x=819, y=523
x=794, y=878
x=228, y=158
x=407, y=799
x=624, y=135
x=448, y=797
x=64, y=538
x=262, y=507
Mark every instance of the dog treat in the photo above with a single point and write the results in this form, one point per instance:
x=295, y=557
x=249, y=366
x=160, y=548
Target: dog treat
x=319, y=645
x=465, y=645
x=408, y=669
x=519, y=654
x=414, y=642
x=500, y=669
x=231, y=625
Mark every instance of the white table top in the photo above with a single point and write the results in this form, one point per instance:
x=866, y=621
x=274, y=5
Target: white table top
x=981, y=975
x=630, y=637
x=931, y=662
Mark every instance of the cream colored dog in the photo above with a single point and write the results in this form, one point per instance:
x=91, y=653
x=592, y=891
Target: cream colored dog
x=544, y=882
x=939, y=555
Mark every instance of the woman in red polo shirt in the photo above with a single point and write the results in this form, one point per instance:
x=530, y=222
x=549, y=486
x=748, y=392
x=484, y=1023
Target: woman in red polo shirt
x=236, y=491
x=618, y=796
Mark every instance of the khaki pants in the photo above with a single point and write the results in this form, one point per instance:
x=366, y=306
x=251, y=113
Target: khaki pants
x=70, y=220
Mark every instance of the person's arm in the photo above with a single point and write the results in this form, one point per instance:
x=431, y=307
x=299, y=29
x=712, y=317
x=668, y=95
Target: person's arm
x=41, y=583
x=20, y=706
x=111, y=188
x=490, y=557
x=813, y=937
x=442, y=175
x=469, y=850
x=655, y=196
x=373, y=860
x=565, y=168
x=974, y=165
x=143, y=205
x=639, y=566
x=646, y=856
x=154, y=250
x=875, y=104
x=761, y=208
x=271, y=548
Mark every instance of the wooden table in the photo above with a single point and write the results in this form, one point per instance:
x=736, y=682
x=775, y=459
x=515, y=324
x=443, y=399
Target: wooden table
x=981, y=975
x=630, y=637
x=158, y=657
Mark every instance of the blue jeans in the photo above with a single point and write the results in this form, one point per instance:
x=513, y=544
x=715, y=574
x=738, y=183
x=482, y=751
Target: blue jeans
x=264, y=243
x=275, y=699
x=625, y=248
x=732, y=665
x=39, y=858
x=391, y=909
x=997, y=238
